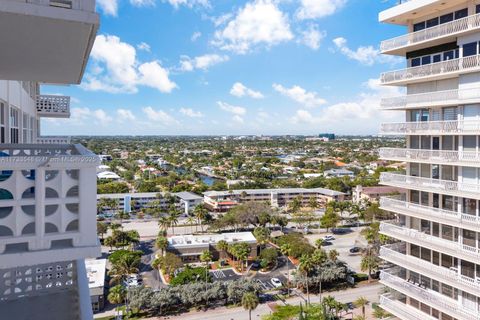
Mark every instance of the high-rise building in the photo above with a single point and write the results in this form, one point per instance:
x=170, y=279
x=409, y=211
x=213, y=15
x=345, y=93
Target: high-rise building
x=47, y=186
x=437, y=225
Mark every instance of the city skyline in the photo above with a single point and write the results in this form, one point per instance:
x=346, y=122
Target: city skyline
x=303, y=73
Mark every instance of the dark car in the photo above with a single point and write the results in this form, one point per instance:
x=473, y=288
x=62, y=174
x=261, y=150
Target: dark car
x=256, y=265
x=355, y=250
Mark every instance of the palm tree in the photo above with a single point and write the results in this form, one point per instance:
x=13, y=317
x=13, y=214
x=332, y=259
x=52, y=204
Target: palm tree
x=206, y=257
x=369, y=262
x=173, y=218
x=162, y=244
x=222, y=245
x=333, y=255
x=285, y=250
x=319, y=243
x=164, y=223
x=126, y=265
x=200, y=213
x=117, y=294
x=361, y=302
x=305, y=267
x=102, y=228
x=191, y=222
x=249, y=302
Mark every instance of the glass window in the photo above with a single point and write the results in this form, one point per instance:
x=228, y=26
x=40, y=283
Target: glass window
x=469, y=238
x=469, y=143
x=470, y=49
x=415, y=62
x=449, y=55
x=446, y=18
x=468, y=269
x=437, y=58
x=432, y=22
x=447, y=232
x=426, y=254
x=425, y=226
x=461, y=13
x=477, y=8
x=415, y=250
x=425, y=170
x=414, y=196
x=435, y=258
x=419, y=26
x=14, y=122
x=426, y=60
x=436, y=200
x=3, y=133
x=470, y=206
x=424, y=198
x=446, y=261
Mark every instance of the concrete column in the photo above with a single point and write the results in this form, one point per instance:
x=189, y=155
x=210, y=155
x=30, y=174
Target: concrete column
x=39, y=208
x=87, y=187
x=84, y=302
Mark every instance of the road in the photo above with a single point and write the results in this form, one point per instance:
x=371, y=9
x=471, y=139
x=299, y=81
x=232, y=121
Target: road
x=371, y=292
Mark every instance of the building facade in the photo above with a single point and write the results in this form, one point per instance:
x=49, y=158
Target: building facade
x=47, y=186
x=437, y=226
x=222, y=201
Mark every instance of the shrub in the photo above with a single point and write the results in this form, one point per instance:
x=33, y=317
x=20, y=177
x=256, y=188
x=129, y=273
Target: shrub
x=297, y=242
x=190, y=275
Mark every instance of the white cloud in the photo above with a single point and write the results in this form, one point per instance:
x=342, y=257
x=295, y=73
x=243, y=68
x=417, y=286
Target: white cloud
x=102, y=117
x=201, y=62
x=109, y=7
x=239, y=111
x=240, y=90
x=191, y=113
x=188, y=3
x=116, y=69
x=195, y=36
x=143, y=46
x=313, y=9
x=260, y=22
x=159, y=116
x=300, y=95
x=364, y=55
x=236, y=118
x=312, y=37
x=142, y=3
x=125, y=115
x=84, y=115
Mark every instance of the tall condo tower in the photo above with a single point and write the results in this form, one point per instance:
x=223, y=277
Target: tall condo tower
x=47, y=185
x=437, y=225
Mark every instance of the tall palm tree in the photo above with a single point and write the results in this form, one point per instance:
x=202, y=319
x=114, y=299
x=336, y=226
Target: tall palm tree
x=319, y=243
x=369, y=262
x=222, y=245
x=361, y=302
x=206, y=257
x=164, y=223
x=305, y=267
x=285, y=250
x=161, y=243
x=250, y=302
x=173, y=218
x=333, y=255
x=126, y=265
x=191, y=222
x=117, y=294
x=200, y=213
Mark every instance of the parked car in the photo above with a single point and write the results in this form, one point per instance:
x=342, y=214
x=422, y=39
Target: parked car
x=328, y=238
x=341, y=230
x=355, y=249
x=276, y=282
x=256, y=265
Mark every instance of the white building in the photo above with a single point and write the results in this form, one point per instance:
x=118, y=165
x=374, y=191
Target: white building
x=108, y=175
x=437, y=257
x=96, y=271
x=47, y=187
x=338, y=173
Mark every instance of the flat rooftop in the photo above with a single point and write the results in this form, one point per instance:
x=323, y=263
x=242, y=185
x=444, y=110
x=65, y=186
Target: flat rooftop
x=96, y=272
x=322, y=191
x=196, y=240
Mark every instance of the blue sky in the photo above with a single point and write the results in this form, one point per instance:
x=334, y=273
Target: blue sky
x=195, y=67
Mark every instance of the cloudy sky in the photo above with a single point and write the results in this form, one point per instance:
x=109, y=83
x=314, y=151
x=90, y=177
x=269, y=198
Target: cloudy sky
x=196, y=67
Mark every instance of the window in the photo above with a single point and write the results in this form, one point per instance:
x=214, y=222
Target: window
x=470, y=49
x=461, y=13
x=448, y=203
x=419, y=26
x=3, y=133
x=477, y=9
x=415, y=250
x=469, y=238
x=432, y=22
x=426, y=60
x=446, y=18
x=415, y=62
x=414, y=196
x=14, y=120
x=437, y=58
x=449, y=55
x=470, y=206
x=447, y=233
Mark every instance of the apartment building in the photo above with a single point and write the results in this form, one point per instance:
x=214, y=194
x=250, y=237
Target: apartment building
x=47, y=186
x=221, y=201
x=437, y=225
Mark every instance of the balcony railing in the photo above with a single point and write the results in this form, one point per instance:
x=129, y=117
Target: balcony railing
x=461, y=220
x=47, y=203
x=401, y=310
x=52, y=106
x=438, y=273
x=432, y=99
x=455, y=27
x=432, y=71
x=452, y=127
x=453, y=188
x=452, y=248
x=53, y=140
x=447, y=157
x=429, y=297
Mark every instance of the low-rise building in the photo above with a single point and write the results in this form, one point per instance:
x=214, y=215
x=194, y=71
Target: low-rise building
x=96, y=282
x=190, y=247
x=221, y=201
x=373, y=194
x=338, y=173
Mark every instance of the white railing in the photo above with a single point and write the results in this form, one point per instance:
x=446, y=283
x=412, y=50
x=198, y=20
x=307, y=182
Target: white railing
x=53, y=140
x=470, y=158
x=464, y=64
x=446, y=29
x=412, y=209
x=436, y=272
x=401, y=310
x=432, y=99
x=431, y=242
x=53, y=106
x=431, y=298
x=453, y=188
x=431, y=127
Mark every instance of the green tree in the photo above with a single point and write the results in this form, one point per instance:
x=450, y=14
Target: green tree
x=173, y=217
x=361, y=302
x=222, y=245
x=313, y=203
x=124, y=266
x=305, y=267
x=102, y=228
x=329, y=219
x=333, y=255
x=161, y=243
x=200, y=213
x=285, y=250
x=168, y=263
x=262, y=235
x=250, y=302
x=117, y=294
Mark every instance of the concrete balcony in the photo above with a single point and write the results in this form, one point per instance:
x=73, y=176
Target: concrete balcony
x=432, y=99
x=434, y=71
x=46, y=41
x=47, y=204
x=454, y=127
x=445, y=275
x=401, y=310
x=457, y=219
x=442, y=33
x=446, y=157
x=50, y=106
x=419, y=238
x=407, y=10
x=427, y=296
x=53, y=140
x=453, y=188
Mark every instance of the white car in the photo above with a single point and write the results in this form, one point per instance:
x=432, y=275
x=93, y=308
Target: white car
x=276, y=282
x=328, y=238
